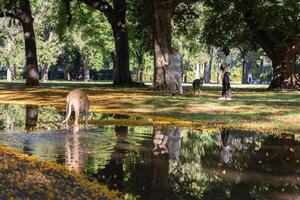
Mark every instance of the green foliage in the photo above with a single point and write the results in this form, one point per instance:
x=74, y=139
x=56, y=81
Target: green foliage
x=88, y=31
x=234, y=23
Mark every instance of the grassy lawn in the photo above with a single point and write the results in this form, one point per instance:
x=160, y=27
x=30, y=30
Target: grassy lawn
x=252, y=106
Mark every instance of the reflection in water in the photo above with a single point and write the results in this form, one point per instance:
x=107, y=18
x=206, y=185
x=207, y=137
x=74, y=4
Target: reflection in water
x=31, y=117
x=166, y=142
x=72, y=159
x=113, y=172
x=225, y=146
x=174, y=163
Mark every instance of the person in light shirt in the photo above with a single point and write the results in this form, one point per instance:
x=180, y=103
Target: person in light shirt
x=174, y=71
x=225, y=67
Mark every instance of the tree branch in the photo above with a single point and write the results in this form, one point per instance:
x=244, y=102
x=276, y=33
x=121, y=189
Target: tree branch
x=102, y=6
x=68, y=10
x=262, y=36
x=11, y=15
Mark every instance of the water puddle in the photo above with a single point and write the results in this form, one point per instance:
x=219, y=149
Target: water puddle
x=161, y=162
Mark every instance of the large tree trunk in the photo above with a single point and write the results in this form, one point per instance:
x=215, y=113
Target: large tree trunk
x=246, y=71
x=78, y=65
x=197, y=73
x=285, y=75
x=32, y=75
x=219, y=74
x=9, y=72
x=139, y=56
x=116, y=17
x=161, y=13
x=261, y=71
x=45, y=73
x=86, y=69
x=31, y=117
x=207, y=72
x=243, y=56
x=207, y=69
x=122, y=73
x=285, y=70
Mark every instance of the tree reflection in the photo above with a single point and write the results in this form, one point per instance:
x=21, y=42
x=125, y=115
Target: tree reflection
x=166, y=142
x=113, y=173
x=261, y=166
x=31, y=117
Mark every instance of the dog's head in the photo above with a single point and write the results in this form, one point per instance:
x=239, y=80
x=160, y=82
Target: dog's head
x=198, y=81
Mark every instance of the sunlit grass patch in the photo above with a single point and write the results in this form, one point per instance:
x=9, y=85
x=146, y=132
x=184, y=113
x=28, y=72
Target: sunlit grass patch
x=252, y=106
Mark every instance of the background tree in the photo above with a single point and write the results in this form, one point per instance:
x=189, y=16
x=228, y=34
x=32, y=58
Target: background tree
x=115, y=15
x=88, y=41
x=11, y=47
x=152, y=21
x=48, y=44
x=21, y=11
x=273, y=25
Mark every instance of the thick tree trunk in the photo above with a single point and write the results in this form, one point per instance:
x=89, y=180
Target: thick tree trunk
x=139, y=57
x=197, y=74
x=116, y=18
x=78, y=65
x=246, y=71
x=32, y=75
x=261, y=71
x=45, y=73
x=185, y=66
x=207, y=70
x=219, y=74
x=161, y=13
x=248, y=67
x=10, y=73
x=31, y=117
x=86, y=67
x=122, y=73
x=243, y=56
x=285, y=74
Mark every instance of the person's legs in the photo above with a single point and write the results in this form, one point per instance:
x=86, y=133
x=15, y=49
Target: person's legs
x=223, y=87
x=170, y=82
x=179, y=83
x=228, y=88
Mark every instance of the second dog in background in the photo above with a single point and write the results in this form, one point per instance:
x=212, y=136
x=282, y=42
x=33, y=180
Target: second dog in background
x=197, y=85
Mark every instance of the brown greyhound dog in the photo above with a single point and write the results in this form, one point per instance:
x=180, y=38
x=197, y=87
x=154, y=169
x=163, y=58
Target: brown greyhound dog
x=78, y=101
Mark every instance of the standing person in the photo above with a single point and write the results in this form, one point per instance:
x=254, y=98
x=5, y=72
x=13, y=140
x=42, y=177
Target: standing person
x=174, y=71
x=226, y=91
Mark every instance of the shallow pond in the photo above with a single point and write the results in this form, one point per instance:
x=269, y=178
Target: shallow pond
x=156, y=162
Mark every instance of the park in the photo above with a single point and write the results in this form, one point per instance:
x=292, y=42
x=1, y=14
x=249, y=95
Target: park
x=172, y=99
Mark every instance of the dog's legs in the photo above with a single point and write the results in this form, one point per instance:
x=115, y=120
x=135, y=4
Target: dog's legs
x=87, y=114
x=67, y=113
x=77, y=112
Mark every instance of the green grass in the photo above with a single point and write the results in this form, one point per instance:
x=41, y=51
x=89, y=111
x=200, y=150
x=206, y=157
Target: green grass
x=252, y=107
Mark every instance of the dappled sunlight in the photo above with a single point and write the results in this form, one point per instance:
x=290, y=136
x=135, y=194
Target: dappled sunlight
x=250, y=110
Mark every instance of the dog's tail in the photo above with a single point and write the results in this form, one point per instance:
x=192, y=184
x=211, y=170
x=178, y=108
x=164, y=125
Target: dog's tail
x=68, y=110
